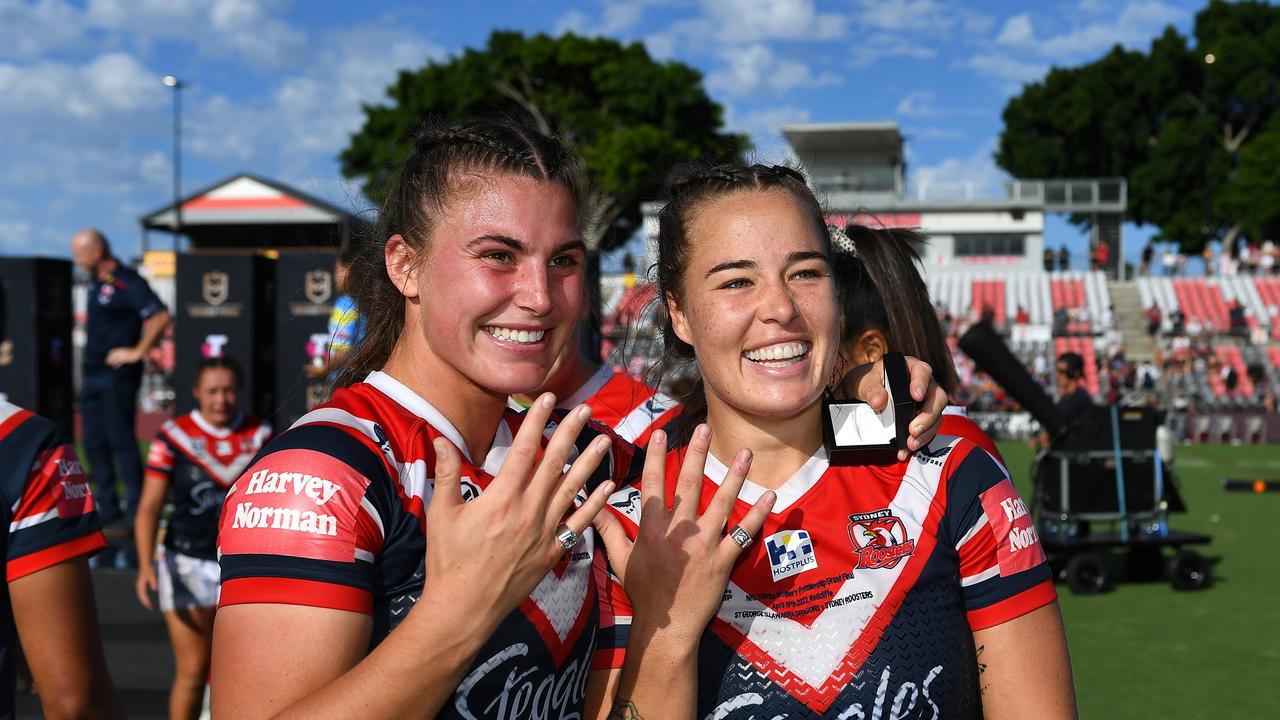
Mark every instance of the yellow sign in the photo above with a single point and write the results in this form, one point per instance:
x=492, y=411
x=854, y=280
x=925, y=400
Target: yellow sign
x=160, y=263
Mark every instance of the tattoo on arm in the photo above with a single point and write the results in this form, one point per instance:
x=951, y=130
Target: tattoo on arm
x=625, y=710
x=982, y=668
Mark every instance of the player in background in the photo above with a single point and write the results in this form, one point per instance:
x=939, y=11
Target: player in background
x=346, y=324
x=627, y=406
x=887, y=309
x=53, y=526
x=191, y=464
x=915, y=589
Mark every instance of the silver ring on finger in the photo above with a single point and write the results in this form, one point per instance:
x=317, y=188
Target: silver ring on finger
x=740, y=537
x=567, y=537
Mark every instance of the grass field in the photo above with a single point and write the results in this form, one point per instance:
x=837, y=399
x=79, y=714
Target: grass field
x=1147, y=651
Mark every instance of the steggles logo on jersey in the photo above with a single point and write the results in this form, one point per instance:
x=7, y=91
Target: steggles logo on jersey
x=790, y=553
x=879, y=539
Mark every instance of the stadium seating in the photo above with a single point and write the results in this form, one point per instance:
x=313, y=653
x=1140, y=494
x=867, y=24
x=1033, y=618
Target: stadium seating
x=962, y=292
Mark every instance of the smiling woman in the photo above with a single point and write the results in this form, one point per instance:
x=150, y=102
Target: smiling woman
x=875, y=588
x=471, y=288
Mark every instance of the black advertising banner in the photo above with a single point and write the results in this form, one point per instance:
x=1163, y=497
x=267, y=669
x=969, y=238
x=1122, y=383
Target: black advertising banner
x=225, y=307
x=305, y=294
x=35, y=337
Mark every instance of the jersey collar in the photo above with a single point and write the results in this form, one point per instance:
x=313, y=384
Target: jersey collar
x=589, y=388
x=210, y=429
x=416, y=404
x=788, y=493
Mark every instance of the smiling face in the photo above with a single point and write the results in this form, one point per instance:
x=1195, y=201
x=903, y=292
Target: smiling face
x=217, y=395
x=758, y=305
x=494, y=298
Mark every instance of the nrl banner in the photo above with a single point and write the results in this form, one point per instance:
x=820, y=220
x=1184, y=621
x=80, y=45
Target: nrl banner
x=305, y=293
x=225, y=306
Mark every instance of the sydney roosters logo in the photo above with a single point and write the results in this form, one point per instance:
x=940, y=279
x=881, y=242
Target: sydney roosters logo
x=879, y=539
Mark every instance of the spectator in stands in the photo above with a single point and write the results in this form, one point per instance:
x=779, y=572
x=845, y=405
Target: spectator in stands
x=1169, y=260
x=1107, y=317
x=1148, y=374
x=346, y=324
x=1064, y=259
x=1154, y=320
x=126, y=320
x=1179, y=321
x=1148, y=255
x=1060, y=320
x=1101, y=256
x=1022, y=317
x=1230, y=378
x=1207, y=256
x=1235, y=314
x=1048, y=259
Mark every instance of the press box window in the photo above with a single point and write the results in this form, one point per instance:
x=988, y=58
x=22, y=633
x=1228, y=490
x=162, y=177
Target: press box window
x=986, y=244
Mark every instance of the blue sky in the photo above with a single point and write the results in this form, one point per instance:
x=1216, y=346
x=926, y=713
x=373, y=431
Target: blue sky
x=274, y=87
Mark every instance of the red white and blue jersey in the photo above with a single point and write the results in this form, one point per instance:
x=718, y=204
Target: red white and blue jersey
x=625, y=405
x=46, y=504
x=199, y=462
x=862, y=593
x=956, y=422
x=333, y=514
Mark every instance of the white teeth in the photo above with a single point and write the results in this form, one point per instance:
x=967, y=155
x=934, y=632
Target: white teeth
x=513, y=335
x=781, y=353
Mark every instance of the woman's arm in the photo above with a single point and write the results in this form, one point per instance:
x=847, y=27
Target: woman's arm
x=275, y=660
x=57, y=622
x=675, y=575
x=144, y=534
x=1024, y=669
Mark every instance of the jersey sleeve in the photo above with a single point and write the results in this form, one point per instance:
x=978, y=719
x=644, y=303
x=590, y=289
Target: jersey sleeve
x=143, y=299
x=1003, y=571
x=159, y=460
x=615, y=606
x=54, y=518
x=301, y=527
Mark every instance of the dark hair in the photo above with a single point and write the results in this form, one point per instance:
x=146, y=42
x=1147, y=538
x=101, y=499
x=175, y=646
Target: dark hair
x=1073, y=364
x=690, y=187
x=880, y=287
x=219, y=363
x=417, y=195
x=349, y=254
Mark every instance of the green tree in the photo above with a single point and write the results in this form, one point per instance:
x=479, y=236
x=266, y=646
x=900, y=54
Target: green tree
x=1191, y=123
x=630, y=116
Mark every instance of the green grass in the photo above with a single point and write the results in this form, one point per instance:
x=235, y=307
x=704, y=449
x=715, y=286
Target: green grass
x=1144, y=650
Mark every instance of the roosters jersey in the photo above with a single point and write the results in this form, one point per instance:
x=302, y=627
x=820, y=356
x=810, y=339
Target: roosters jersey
x=627, y=406
x=48, y=509
x=956, y=422
x=333, y=514
x=861, y=595
x=198, y=462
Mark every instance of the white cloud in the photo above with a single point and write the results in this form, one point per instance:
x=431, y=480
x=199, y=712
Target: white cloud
x=28, y=30
x=918, y=103
x=1015, y=73
x=875, y=48
x=765, y=129
x=110, y=84
x=1017, y=31
x=616, y=17
x=972, y=176
x=744, y=21
x=250, y=29
x=923, y=20
x=756, y=69
x=1134, y=27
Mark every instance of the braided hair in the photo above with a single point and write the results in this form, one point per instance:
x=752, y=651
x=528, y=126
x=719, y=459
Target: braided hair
x=442, y=157
x=689, y=188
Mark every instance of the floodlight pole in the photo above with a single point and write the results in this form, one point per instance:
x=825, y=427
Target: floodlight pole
x=176, y=84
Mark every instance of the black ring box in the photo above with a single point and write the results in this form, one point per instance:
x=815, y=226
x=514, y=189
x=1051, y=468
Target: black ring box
x=854, y=434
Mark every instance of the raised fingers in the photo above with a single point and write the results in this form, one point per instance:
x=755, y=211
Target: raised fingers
x=744, y=533
x=689, y=483
x=448, y=481
x=524, y=447
x=556, y=454
x=653, y=479
x=717, y=513
x=578, y=474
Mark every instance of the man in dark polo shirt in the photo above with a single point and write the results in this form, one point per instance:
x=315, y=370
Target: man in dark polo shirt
x=126, y=320
x=1073, y=400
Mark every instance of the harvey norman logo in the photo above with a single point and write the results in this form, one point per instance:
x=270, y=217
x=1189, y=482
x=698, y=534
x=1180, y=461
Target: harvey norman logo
x=266, y=482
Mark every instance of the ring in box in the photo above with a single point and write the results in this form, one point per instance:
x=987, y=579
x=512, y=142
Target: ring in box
x=857, y=435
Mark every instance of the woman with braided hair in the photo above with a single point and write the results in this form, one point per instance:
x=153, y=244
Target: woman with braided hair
x=913, y=589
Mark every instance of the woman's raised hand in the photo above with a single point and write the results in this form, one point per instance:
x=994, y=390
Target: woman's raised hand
x=677, y=569
x=496, y=549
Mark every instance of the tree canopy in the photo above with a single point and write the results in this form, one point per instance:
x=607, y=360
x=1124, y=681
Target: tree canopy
x=629, y=116
x=1191, y=123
